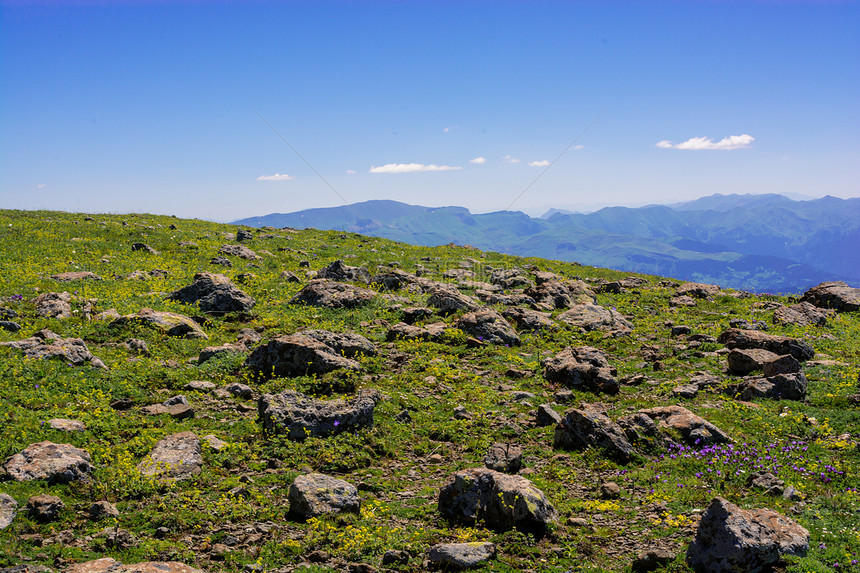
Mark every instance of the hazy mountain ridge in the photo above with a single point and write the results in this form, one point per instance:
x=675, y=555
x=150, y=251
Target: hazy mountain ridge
x=753, y=242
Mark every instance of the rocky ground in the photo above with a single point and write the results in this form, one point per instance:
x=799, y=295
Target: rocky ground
x=186, y=396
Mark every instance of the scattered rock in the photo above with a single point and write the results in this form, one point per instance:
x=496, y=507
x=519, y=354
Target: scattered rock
x=786, y=364
x=546, y=416
x=693, y=429
x=766, y=481
x=801, y=314
x=111, y=565
x=57, y=463
x=590, y=316
x=313, y=495
x=75, y=276
x=449, y=556
x=582, y=366
x=506, y=458
x=47, y=345
x=200, y=386
x=103, y=510
x=591, y=427
x=10, y=326
x=300, y=416
x=554, y=294
x=290, y=277
x=731, y=539
x=214, y=294
x=744, y=361
x=489, y=326
x=346, y=343
x=461, y=413
x=177, y=456
x=8, y=510
x=53, y=305
x=244, y=235
x=530, y=320
x=449, y=300
x=225, y=349
x=44, y=508
x=651, y=560
x=791, y=386
x=697, y=290
x=297, y=355
x=240, y=251
x=836, y=295
x=686, y=391
x=339, y=271
x=221, y=261
x=67, y=425
x=744, y=324
x=169, y=323
x=610, y=490
x=330, y=294
x=143, y=247
x=745, y=339
x=499, y=500
x=682, y=301
x=395, y=557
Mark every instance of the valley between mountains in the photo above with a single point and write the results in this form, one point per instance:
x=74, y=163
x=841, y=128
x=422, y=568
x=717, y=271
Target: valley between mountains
x=185, y=396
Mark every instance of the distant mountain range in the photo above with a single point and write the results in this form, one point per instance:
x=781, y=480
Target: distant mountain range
x=759, y=243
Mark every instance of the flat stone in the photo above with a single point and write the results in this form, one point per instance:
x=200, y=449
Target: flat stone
x=66, y=425
x=177, y=456
x=315, y=494
x=582, y=366
x=8, y=510
x=57, y=463
x=507, y=458
x=44, y=508
x=694, y=429
x=214, y=294
x=489, y=326
x=200, y=386
x=590, y=316
x=300, y=416
x=75, y=276
x=591, y=427
x=746, y=339
x=460, y=555
x=836, y=295
x=297, y=355
x=332, y=294
x=169, y=323
x=111, y=565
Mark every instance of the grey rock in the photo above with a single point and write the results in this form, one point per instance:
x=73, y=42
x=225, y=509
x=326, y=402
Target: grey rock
x=744, y=361
x=290, y=277
x=221, y=261
x=178, y=456
x=313, y=495
x=111, y=565
x=8, y=510
x=348, y=344
x=57, y=463
x=449, y=556
x=786, y=364
x=395, y=557
x=449, y=300
x=766, y=481
x=240, y=390
x=244, y=235
x=44, y=508
x=53, y=305
x=530, y=320
x=561, y=294
x=693, y=429
x=339, y=271
x=745, y=339
x=200, y=386
x=10, y=326
x=836, y=295
x=506, y=458
x=66, y=425
x=489, y=326
x=697, y=290
x=792, y=386
x=174, y=400
x=652, y=560
x=103, y=510
x=143, y=247
x=546, y=416
x=228, y=348
x=499, y=500
x=510, y=278
x=802, y=314
x=240, y=251
x=589, y=316
x=214, y=294
x=300, y=416
x=297, y=355
x=731, y=539
x=47, y=345
x=591, y=427
x=75, y=276
x=331, y=294
x=582, y=366
x=169, y=323
x=687, y=391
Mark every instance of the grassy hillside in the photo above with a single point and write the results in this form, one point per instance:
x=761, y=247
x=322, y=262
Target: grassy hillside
x=233, y=516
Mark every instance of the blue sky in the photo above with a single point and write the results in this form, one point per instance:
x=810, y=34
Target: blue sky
x=166, y=107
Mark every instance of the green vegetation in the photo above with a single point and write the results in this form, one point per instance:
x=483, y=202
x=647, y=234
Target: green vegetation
x=234, y=514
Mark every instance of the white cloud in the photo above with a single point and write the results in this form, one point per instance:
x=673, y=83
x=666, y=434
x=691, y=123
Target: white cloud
x=478, y=160
x=541, y=163
x=578, y=147
x=450, y=128
x=509, y=159
x=41, y=186
x=697, y=143
x=275, y=177
x=351, y=171
x=411, y=168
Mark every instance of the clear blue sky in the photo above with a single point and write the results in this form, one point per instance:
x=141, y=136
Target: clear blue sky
x=156, y=107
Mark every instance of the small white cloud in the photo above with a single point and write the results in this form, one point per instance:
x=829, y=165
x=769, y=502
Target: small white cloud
x=478, y=160
x=411, y=168
x=41, y=186
x=698, y=143
x=541, y=163
x=509, y=159
x=450, y=128
x=351, y=171
x=275, y=177
x=578, y=147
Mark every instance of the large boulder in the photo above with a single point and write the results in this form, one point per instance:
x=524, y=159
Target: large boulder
x=694, y=430
x=339, y=271
x=499, y=500
x=214, y=294
x=331, y=294
x=561, y=294
x=449, y=300
x=530, y=320
x=300, y=416
x=47, y=345
x=745, y=339
x=111, y=565
x=57, y=463
x=312, y=495
x=169, y=323
x=488, y=325
x=591, y=427
x=801, y=314
x=240, y=251
x=510, y=278
x=53, y=305
x=589, y=316
x=697, y=290
x=836, y=295
x=448, y=556
x=781, y=386
x=742, y=361
x=297, y=355
x=348, y=344
x=730, y=539
x=177, y=456
x=582, y=366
